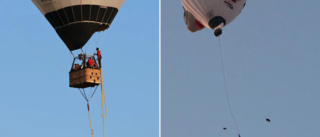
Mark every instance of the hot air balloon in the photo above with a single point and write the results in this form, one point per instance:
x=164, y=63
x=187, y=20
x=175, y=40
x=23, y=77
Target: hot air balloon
x=75, y=21
x=212, y=14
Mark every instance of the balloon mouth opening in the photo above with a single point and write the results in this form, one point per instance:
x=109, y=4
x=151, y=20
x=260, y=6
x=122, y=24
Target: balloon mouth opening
x=217, y=22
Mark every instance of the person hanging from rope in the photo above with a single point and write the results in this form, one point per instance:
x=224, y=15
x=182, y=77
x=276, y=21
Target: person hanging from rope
x=90, y=63
x=98, y=56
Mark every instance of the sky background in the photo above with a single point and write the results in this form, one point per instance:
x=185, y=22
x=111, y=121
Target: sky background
x=271, y=55
x=35, y=96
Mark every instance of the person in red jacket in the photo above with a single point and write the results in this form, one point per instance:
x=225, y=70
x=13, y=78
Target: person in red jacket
x=99, y=56
x=90, y=63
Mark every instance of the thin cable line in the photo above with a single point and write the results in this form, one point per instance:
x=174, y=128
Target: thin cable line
x=28, y=39
x=101, y=38
x=225, y=88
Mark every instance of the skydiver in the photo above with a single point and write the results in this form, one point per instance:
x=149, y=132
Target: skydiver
x=98, y=56
x=268, y=120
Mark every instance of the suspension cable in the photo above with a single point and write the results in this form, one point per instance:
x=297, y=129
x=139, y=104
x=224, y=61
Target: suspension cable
x=101, y=39
x=226, y=90
x=84, y=95
x=72, y=54
x=94, y=91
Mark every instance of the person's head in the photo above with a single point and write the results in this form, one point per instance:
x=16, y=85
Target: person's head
x=97, y=48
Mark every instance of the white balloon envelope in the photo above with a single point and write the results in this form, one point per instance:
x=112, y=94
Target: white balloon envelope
x=213, y=14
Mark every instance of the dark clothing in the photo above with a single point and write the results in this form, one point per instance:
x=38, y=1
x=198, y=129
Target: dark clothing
x=99, y=61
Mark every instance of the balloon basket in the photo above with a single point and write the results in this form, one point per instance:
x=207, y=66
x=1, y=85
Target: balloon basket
x=84, y=78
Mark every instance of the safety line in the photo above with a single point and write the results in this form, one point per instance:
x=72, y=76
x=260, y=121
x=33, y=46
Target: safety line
x=103, y=103
x=226, y=90
x=90, y=119
x=28, y=39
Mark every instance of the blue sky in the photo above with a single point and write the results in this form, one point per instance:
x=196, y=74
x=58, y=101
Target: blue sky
x=35, y=97
x=271, y=56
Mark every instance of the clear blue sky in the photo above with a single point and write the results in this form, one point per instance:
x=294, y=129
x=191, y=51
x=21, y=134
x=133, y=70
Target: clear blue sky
x=35, y=96
x=272, y=62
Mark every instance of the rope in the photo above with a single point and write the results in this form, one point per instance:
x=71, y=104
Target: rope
x=84, y=95
x=101, y=38
x=87, y=97
x=28, y=39
x=94, y=91
x=226, y=90
x=103, y=103
x=90, y=119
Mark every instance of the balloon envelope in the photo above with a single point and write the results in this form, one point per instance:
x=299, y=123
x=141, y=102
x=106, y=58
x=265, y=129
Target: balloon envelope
x=75, y=21
x=214, y=14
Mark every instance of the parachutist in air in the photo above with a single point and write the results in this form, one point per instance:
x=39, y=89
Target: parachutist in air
x=218, y=32
x=268, y=120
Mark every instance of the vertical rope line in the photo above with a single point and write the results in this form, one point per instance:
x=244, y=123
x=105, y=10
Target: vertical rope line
x=101, y=39
x=225, y=88
x=90, y=119
x=103, y=103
